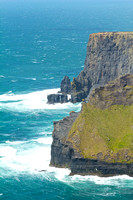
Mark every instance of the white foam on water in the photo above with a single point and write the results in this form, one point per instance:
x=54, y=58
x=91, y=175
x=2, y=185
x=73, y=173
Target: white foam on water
x=7, y=152
x=114, y=180
x=15, y=142
x=29, y=156
x=34, y=157
x=62, y=174
x=33, y=101
x=44, y=140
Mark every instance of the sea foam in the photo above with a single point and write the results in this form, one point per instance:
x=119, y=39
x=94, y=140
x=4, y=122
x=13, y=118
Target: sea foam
x=33, y=101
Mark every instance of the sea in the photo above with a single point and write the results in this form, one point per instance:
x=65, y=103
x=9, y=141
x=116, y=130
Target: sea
x=41, y=41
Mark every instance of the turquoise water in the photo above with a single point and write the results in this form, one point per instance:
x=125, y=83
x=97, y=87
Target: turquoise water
x=40, y=42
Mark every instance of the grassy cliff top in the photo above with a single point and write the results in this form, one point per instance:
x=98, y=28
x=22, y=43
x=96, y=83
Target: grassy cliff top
x=104, y=128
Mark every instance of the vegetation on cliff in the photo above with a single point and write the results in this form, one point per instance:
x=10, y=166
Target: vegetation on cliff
x=104, y=134
x=104, y=128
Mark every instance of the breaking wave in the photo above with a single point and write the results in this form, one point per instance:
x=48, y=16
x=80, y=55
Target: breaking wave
x=32, y=101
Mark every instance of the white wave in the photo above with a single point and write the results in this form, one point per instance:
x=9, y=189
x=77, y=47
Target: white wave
x=44, y=140
x=1, y=76
x=30, y=96
x=114, y=180
x=1, y=194
x=62, y=174
x=15, y=142
x=14, y=81
x=33, y=101
x=30, y=78
x=25, y=157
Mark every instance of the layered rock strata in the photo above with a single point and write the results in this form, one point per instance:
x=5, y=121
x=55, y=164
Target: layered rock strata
x=99, y=140
x=109, y=55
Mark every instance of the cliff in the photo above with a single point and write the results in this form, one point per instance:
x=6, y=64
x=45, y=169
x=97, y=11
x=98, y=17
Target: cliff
x=109, y=55
x=100, y=139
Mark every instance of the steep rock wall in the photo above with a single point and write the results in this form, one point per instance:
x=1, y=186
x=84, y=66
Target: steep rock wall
x=109, y=55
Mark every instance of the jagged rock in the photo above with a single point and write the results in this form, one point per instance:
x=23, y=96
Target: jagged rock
x=109, y=55
x=66, y=85
x=57, y=98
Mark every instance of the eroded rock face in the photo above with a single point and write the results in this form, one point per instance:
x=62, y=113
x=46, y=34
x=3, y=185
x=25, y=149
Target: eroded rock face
x=109, y=55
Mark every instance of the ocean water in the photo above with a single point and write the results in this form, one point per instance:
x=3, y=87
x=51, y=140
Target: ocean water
x=40, y=42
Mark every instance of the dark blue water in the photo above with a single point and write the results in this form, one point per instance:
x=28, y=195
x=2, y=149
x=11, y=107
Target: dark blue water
x=40, y=42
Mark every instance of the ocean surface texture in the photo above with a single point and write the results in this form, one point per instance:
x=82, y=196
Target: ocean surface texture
x=41, y=41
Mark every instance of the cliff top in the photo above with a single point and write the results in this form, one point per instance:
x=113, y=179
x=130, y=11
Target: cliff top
x=111, y=34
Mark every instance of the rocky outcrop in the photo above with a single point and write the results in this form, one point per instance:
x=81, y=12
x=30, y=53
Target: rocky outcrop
x=62, y=95
x=109, y=55
x=66, y=85
x=118, y=92
x=57, y=98
x=100, y=139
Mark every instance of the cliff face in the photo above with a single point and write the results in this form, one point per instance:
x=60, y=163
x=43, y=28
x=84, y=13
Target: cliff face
x=109, y=55
x=61, y=149
x=100, y=139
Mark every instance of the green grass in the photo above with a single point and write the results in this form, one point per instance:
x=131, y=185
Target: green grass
x=108, y=131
